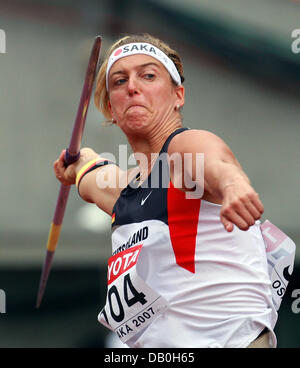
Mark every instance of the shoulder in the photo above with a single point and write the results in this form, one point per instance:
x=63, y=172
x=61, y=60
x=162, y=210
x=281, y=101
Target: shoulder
x=194, y=140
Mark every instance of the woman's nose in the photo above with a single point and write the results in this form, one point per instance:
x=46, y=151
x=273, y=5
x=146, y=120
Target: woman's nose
x=132, y=86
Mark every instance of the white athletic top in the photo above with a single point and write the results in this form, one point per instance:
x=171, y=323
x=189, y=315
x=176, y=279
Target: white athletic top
x=216, y=283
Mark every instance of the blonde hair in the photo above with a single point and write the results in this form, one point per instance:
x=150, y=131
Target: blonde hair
x=101, y=97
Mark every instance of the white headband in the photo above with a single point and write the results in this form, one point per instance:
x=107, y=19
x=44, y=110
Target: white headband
x=146, y=49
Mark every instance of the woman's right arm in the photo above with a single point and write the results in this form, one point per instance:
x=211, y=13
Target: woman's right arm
x=101, y=186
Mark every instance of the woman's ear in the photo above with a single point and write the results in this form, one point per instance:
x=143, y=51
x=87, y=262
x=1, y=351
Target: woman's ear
x=111, y=113
x=180, y=95
x=113, y=121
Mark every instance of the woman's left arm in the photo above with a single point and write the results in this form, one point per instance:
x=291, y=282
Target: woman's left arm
x=225, y=182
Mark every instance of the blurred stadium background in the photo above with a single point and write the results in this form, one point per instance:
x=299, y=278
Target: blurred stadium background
x=242, y=83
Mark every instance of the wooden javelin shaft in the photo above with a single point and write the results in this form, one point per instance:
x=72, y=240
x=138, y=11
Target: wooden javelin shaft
x=72, y=155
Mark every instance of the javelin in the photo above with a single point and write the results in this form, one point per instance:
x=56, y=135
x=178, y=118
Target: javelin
x=72, y=155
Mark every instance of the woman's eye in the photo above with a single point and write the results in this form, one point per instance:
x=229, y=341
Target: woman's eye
x=149, y=76
x=120, y=81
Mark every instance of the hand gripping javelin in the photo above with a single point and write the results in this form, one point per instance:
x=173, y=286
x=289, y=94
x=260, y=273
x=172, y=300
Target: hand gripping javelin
x=71, y=156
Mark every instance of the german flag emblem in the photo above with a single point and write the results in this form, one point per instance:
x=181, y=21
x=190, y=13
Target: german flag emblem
x=113, y=217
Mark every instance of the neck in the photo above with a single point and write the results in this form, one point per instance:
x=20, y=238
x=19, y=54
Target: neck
x=145, y=147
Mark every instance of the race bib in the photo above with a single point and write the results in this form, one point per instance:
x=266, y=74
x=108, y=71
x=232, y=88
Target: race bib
x=280, y=256
x=131, y=304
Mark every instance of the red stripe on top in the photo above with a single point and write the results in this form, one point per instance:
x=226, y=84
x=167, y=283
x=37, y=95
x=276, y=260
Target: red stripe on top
x=183, y=215
x=122, y=262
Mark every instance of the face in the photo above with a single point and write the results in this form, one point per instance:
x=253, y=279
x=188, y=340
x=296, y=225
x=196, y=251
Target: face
x=141, y=94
